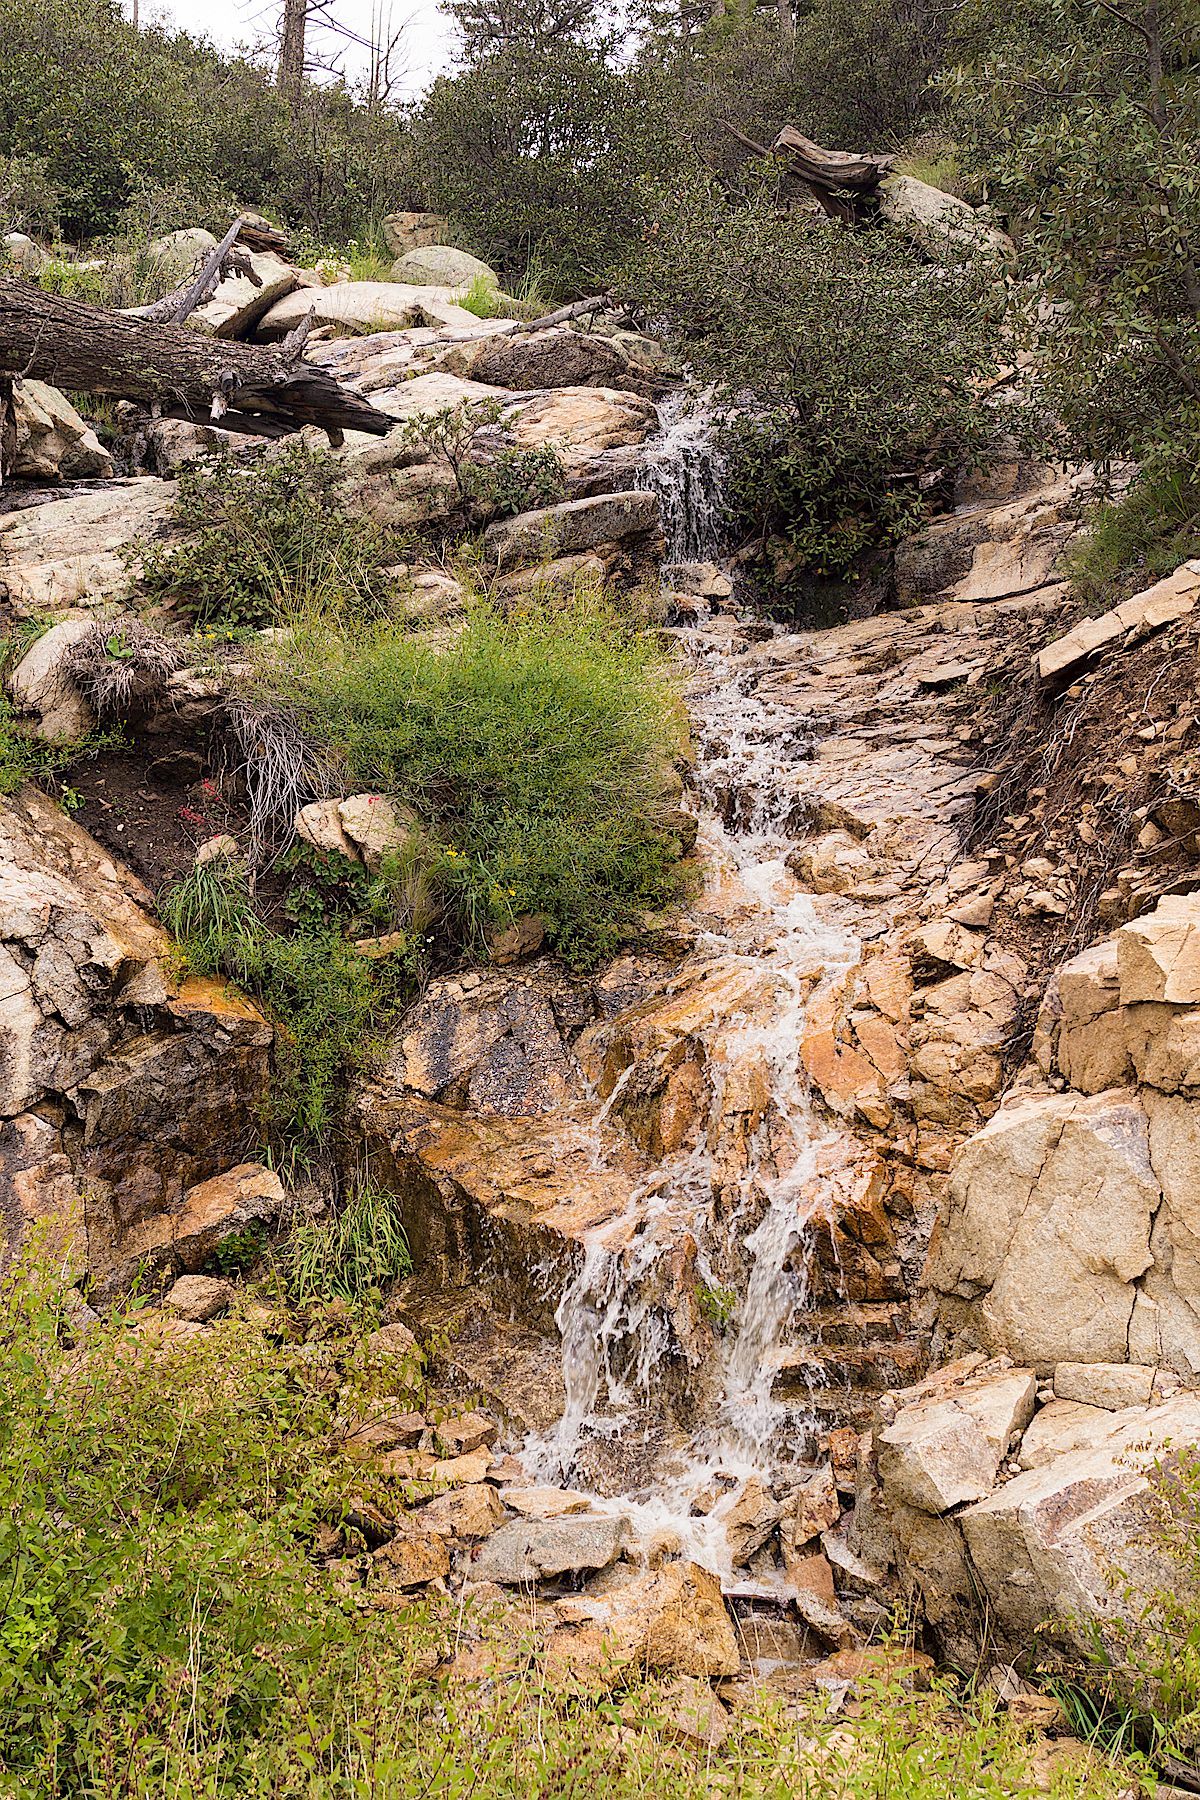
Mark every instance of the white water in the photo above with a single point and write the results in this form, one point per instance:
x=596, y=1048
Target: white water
x=615, y=1332
x=685, y=466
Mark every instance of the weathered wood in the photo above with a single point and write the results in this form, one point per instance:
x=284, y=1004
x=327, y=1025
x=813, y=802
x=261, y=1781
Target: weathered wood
x=843, y=182
x=179, y=372
x=574, y=310
x=174, y=308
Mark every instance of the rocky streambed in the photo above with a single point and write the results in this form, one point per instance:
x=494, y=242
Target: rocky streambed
x=833, y=1243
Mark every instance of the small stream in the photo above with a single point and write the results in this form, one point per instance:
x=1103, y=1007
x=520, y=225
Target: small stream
x=749, y=1206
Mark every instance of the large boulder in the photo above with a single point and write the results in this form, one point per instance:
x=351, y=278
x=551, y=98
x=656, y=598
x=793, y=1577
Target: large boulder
x=41, y=682
x=440, y=265
x=75, y=551
x=404, y=231
x=180, y=254
x=672, y=1618
x=940, y=222
x=1048, y=1227
x=26, y=256
x=360, y=308
x=570, y=527
x=240, y=300
x=53, y=442
x=555, y=358
x=947, y=1446
x=1071, y=1542
x=531, y=1550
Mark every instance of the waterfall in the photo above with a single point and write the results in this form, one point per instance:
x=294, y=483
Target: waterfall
x=685, y=466
x=617, y=1344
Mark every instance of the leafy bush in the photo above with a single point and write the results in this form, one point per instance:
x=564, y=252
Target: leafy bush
x=536, y=152
x=1136, y=540
x=331, y=1001
x=493, y=480
x=166, y=1628
x=1081, y=119
x=352, y=1256
x=534, y=748
x=28, y=197
x=850, y=368
x=265, y=536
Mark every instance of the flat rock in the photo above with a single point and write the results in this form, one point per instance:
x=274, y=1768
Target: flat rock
x=1110, y=1385
x=1172, y=598
x=570, y=527
x=530, y=1550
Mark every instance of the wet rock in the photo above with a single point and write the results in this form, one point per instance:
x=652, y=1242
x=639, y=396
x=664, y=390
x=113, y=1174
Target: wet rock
x=198, y=1298
x=494, y=1048
x=749, y=1516
x=531, y=1550
x=942, y=1451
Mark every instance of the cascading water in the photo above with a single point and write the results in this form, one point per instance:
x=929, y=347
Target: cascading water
x=685, y=466
x=765, y=935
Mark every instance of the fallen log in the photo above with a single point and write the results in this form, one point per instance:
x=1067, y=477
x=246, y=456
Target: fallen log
x=843, y=181
x=176, y=372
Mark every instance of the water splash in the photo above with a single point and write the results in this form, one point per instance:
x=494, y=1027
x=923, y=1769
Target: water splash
x=686, y=467
x=616, y=1332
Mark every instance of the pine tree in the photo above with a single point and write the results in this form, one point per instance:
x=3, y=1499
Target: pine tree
x=486, y=27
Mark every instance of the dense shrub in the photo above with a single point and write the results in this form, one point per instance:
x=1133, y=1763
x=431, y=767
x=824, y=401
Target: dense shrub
x=535, y=749
x=264, y=536
x=850, y=367
x=536, y=153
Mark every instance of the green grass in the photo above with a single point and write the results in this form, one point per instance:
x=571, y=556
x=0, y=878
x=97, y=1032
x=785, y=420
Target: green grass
x=26, y=758
x=534, y=748
x=1133, y=542
x=353, y=1256
x=482, y=299
x=170, y=1626
x=331, y=1002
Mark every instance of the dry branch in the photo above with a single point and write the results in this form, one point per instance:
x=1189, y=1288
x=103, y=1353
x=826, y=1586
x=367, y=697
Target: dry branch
x=179, y=373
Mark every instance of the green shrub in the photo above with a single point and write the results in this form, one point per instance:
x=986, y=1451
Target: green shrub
x=264, y=537
x=493, y=481
x=534, y=748
x=481, y=299
x=1134, y=541
x=851, y=369
x=29, y=200
x=352, y=1256
x=330, y=1000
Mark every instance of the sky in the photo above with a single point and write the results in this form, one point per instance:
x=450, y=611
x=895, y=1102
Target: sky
x=230, y=22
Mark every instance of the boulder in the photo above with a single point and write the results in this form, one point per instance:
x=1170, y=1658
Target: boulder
x=555, y=358
x=319, y=824
x=53, y=442
x=222, y=1207
x=1062, y=1427
x=1048, y=1226
x=1047, y=1545
x=41, y=683
x=240, y=301
x=1158, y=955
x=414, y=1557
x=198, y=1298
x=943, y=1451
x=473, y=1511
x=1111, y=1386
x=360, y=308
x=74, y=551
x=179, y=254
x=581, y=423
x=573, y=526
x=26, y=256
x=440, y=265
x=404, y=231
x=530, y=1550
x=376, y=827
x=939, y=221
x=671, y=1618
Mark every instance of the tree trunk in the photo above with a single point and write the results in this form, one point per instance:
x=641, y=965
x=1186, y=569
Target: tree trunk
x=291, y=51
x=242, y=387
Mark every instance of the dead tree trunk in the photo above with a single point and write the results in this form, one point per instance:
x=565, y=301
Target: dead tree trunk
x=291, y=51
x=181, y=374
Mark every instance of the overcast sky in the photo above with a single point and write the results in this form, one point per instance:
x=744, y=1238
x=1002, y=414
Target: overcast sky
x=231, y=22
